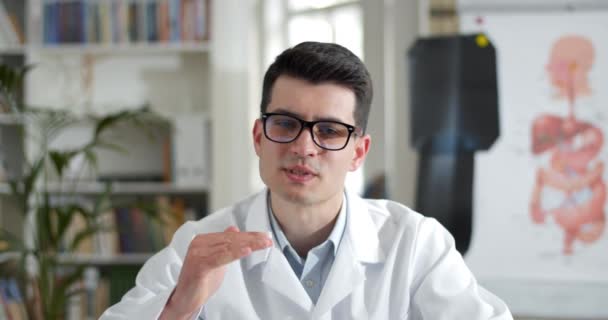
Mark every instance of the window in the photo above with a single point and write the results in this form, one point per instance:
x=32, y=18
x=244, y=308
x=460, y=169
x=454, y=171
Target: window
x=336, y=21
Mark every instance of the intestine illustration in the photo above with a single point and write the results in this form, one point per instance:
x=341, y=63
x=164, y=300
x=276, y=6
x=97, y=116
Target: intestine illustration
x=570, y=187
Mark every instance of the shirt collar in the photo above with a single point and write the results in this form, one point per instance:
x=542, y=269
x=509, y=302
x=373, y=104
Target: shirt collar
x=334, y=237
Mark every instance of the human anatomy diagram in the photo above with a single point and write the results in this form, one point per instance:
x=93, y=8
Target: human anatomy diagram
x=569, y=188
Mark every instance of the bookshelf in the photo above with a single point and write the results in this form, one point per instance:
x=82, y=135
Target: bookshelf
x=20, y=50
x=127, y=259
x=125, y=188
x=8, y=119
x=213, y=77
x=129, y=69
x=125, y=49
x=130, y=21
x=12, y=24
x=110, y=49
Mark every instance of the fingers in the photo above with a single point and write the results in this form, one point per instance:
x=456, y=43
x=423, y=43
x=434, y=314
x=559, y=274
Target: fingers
x=257, y=240
x=226, y=253
x=232, y=229
x=221, y=248
x=243, y=243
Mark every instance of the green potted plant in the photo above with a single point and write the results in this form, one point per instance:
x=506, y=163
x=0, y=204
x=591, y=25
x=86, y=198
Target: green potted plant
x=46, y=235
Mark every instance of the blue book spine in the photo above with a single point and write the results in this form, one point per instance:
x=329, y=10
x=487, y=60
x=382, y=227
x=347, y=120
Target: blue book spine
x=84, y=22
x=46, y=14
x=152, y=23
x=175, y=20
x=114, y=13
x=124, y=223
x=52, y=24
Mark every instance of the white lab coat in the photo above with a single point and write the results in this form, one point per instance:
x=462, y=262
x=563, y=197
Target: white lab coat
x=392, y=263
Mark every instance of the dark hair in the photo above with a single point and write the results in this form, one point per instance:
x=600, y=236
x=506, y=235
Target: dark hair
x=323, y=62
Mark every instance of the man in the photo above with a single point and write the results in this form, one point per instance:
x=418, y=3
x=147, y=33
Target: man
x=305, y=248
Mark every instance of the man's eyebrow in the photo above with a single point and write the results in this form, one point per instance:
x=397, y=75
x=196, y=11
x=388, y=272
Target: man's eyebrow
x=290, y=113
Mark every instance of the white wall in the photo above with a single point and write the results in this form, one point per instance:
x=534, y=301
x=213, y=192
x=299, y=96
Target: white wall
x=390, y=28
x=235, y=93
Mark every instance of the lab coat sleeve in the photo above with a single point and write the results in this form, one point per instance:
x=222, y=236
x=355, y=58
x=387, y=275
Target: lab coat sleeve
x=155, y=281
x=444, y=287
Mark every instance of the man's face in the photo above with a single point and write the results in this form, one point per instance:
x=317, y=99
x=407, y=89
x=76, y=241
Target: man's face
x=300, y=171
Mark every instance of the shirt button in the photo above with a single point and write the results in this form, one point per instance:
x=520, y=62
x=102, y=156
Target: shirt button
x=309, y=283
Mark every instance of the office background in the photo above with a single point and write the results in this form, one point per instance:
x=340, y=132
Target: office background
x=202, y=72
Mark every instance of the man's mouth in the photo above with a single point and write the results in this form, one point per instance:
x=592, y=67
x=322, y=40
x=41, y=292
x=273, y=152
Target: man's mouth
x=300, y=172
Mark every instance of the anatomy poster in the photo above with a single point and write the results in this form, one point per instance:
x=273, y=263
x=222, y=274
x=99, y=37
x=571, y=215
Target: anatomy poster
x=540, y=238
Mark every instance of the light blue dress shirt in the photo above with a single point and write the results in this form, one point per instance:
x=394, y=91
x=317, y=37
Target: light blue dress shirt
x=313, y=269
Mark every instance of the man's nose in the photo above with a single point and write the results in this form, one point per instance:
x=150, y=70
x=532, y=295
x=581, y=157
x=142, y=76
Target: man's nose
x=304, y=144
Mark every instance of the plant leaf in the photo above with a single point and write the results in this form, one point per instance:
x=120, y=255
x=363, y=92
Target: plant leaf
x=110, y=120
x=17, y=190
x=30, y=179
x=60, y=292
x=46, y=238
x=61, y=159
x=64, y=219
x=83, y=235
x=103, y=202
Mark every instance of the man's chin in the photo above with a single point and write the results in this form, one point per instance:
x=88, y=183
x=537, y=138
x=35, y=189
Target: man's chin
x=301, y=196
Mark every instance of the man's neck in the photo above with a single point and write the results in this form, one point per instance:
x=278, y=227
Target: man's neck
x=306, y=226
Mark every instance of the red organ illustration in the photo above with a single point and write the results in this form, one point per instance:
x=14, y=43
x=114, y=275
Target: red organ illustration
x=570, y=188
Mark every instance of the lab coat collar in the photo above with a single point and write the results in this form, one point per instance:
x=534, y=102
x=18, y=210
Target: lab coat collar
x=362, y=231
x=360, y=244
x=365, y=242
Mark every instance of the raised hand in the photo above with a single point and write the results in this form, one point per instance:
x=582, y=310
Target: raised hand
x=205, y=265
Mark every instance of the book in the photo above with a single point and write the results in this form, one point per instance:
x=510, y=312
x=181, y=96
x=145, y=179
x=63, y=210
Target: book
x=175, y=20
x=12, y=299
x=163, y=21
x=102, y=297
x=107, y=242
x=125, y=229
x=116, y=21
x=78, y=225
x=3, y=311
x=10, y=30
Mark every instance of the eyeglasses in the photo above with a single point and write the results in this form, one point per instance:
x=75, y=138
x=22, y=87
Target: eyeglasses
x=329, y=135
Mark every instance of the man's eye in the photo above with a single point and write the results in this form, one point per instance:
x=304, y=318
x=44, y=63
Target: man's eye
x=286, y=124
x=329, y=131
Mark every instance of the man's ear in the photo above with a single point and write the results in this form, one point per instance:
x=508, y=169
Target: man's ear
x=257, y=135
x=361, y=149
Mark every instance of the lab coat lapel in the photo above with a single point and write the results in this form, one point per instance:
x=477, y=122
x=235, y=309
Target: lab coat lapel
x=359, y=245
x=277, y=273
x=345, y=276
x=257, y=220
x=279, y=276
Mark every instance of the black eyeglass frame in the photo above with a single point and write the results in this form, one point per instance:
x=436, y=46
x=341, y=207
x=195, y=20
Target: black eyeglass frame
x=308, y=125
